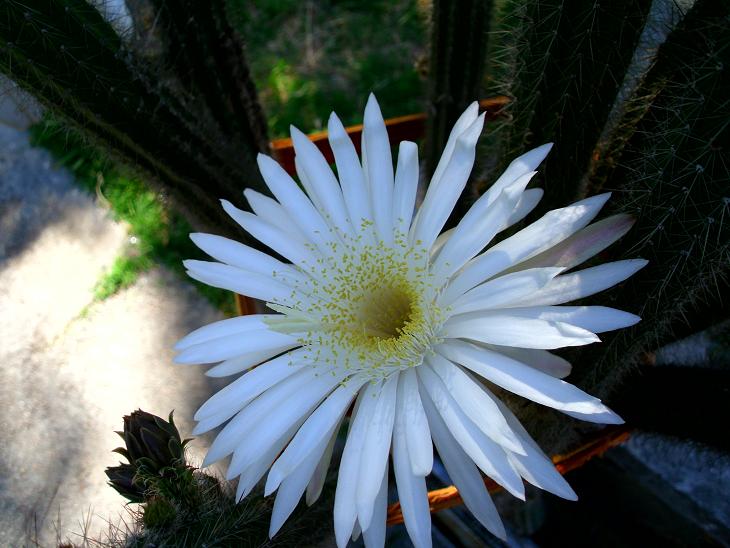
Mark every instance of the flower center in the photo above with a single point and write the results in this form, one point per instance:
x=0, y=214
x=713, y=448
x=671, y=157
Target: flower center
x=370, y=308
x=385, y=312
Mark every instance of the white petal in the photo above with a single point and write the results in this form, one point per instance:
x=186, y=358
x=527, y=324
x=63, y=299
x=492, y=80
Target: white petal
x=475, y=403
x=345, y=511
x=528, y=201
x=375, y=451
x=478, y=227
x=484, y=452
x=257, y=286
x=412, y=492
x=498, y=327
x=295, y=202
x=464, y=474
x=324, y=184
x=418, y=438
x=542, y=360
x=232, y=346
x=582, y=245
x=314, y=489
x=500, y=291
x=272, y=236
x=379, y=169
x=244, y=389
x=517, y=168
x=536, y=467
x=315, y=433
x=222, y=328
x=597, y=319
x=441, y=198
x=406, y=185
x=374, y=535
x=544, y=233
x=253, y=474
x=244, y=257
x=272, y=212
x=350, y=173
x=248, y=359
x=260, y=435
x=466, y=119
x=522, y=379
x=293, y=393
x=583, y=283
x=291, y=490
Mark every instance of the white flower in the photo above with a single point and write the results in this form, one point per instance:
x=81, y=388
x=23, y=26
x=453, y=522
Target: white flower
x=375, y=307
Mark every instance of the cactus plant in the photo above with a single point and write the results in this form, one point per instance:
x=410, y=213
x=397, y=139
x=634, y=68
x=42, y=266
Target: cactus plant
x=70, y=58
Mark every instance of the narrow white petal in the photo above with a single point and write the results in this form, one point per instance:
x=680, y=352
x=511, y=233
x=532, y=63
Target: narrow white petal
x=544, y=233
x=251, y=476
x=280, y=241
x=487, y=455
x=440, y=242
x=476, y=404
x=345, y=511
x=412, y=492
x=314, y=488
x=244, y=389
x=379, y=169
x=272, y=212
x=417, y=435
x=597, y=319
x=517, y=168
x=528, y=201
x=500, y=328
x=464, y=474
x=583, y=283
x=295, y=202
x=466, y=119
x=350, y=173
x=406, y=185
x=522, y=379
x=262, y=434
x=244, y=257
x=582, y=245
x=257, y=286
x=292, y=489
x=315, y=432
x=503, y=290
x=477, y=228
x=250, y=358
x=324, y=184
x=542, y=360
x=222, y=328
x=441, y=198
x=374, y=535
x=375, y=451
x=289, y=396
x=536, y=467
x=234, y=345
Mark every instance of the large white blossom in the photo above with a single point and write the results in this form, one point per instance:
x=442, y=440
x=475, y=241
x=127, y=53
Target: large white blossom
x=375, y=307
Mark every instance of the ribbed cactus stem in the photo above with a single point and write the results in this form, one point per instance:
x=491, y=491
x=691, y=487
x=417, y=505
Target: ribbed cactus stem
x=73, y=61
x=456, y=67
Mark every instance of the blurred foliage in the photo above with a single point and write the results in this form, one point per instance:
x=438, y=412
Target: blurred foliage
x=311, y=58
x=157, y=235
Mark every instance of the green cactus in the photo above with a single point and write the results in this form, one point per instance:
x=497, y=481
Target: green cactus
x=74, y=62
x=673, y=178
x=562, y=64
x=456, y=69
